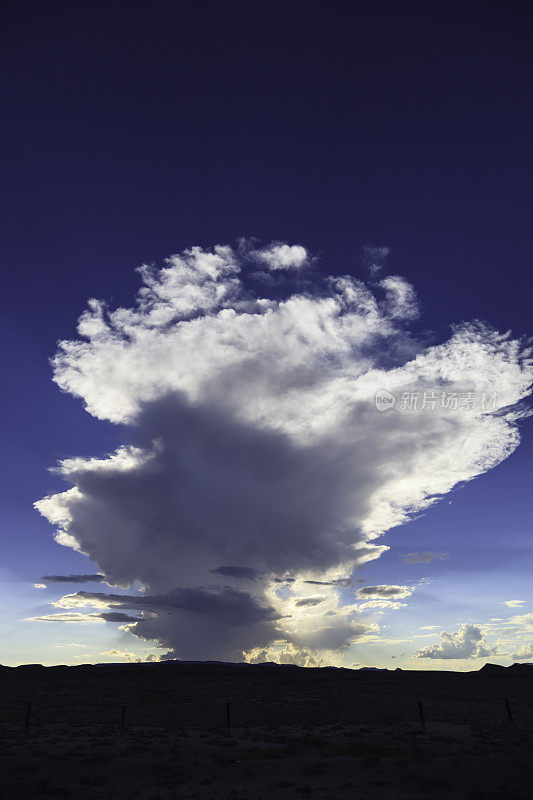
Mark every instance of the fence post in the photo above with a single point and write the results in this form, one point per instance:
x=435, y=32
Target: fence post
x=28, y=715
x=421, y=715
x=508, y=708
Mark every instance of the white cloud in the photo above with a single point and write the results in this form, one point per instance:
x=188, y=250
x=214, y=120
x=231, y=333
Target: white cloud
x=423, y=558
x=71, y=644
x=525, y=653
x=290, y=654
x=66, y=617
x=374, y=257
x=252, y=442
x=514, y=603
x=390, y=604
x=400, y=297
x=282, y=256
x=126, y=655
x=467, y=642
x=80, y=600
x=522, y=620
x=39, y=585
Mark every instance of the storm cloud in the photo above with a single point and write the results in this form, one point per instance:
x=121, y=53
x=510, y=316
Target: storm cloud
x=253, y=447
x=240, y=573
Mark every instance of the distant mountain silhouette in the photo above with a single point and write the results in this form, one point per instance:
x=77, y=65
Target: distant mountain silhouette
x=491, y=668
x=516, y=667
x=524, y=666
x=171, y=666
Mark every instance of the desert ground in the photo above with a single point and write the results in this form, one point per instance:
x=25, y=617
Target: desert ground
x=160, y=732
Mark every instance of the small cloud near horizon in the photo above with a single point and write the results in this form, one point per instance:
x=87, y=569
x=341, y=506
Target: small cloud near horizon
x=466, y=643
x=423, y=558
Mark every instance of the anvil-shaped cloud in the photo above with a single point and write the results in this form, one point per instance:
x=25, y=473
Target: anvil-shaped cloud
x=256, y=471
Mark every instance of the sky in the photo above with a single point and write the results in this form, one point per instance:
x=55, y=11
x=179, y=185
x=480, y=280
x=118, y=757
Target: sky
x=266, y=321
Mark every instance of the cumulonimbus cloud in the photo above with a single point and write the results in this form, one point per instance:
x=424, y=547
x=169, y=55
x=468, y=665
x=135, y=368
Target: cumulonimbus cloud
x=254, y=447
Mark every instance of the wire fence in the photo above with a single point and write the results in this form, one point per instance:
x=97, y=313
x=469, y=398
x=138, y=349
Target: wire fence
x=220, y=706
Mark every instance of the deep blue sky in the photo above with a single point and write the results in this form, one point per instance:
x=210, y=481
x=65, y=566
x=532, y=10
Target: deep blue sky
x=132, y=130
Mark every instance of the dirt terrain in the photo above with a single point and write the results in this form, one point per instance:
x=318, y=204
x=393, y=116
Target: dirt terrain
x=321, y=733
